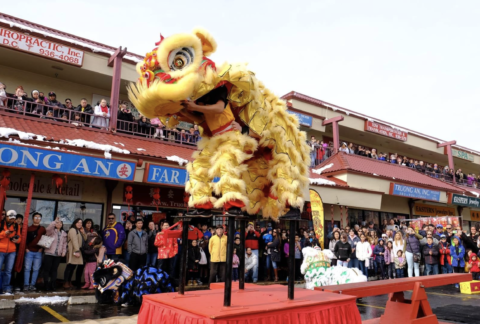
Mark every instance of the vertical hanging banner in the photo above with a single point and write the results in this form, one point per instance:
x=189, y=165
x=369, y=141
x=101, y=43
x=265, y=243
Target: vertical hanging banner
x=317, y=215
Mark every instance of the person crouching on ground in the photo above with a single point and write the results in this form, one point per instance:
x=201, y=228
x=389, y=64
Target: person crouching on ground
x=193, y=264
x=251, y=261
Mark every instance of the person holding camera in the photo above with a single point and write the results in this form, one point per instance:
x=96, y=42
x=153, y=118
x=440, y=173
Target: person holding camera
x=124, y=118
x=9, y=238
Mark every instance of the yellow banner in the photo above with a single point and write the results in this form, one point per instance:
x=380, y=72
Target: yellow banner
x=317, y=215
x=432, y=210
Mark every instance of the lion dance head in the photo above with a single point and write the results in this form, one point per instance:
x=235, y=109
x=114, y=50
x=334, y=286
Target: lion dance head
x=176, y=69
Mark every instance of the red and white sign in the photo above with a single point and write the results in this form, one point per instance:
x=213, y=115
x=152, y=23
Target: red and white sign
x=26, y=43
x=385, y=130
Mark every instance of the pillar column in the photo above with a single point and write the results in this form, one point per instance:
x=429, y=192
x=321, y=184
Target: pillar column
x=448, y=150
x=336, y=136
x=115, y=61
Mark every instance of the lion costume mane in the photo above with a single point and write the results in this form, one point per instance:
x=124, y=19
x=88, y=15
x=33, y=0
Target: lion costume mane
x=263, y=167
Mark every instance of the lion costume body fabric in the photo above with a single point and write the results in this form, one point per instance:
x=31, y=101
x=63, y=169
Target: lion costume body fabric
x=263, y=167
x=318, y=272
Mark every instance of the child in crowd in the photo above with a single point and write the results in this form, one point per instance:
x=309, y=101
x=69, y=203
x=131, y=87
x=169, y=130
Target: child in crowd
x=267, y=238
x=400, y=262
x=389, y=260
x=193, y=263
x=236, y=263
x=379, y=252
x=91, y=248
x=473, y=266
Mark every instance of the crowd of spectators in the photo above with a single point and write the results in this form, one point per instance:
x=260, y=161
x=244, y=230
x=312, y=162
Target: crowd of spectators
x=397, y=251
x=393, y=251
x=84, y=115
x=320, y=151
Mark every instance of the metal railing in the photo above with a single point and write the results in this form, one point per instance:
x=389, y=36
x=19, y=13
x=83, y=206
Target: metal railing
x=317, y=157
x=61, y=115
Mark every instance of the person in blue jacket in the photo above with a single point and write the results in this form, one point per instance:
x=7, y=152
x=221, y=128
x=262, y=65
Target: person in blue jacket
x=457, y=252
x=113, y=238
x=379, y=252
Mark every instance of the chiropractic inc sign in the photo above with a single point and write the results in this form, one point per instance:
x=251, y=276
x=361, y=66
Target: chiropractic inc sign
x=414, y=192
x=41, y=47
x=381, y=129
x=464, y=201
x=59, y=162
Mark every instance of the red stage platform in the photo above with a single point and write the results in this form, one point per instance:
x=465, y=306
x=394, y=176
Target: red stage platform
x=254, y=305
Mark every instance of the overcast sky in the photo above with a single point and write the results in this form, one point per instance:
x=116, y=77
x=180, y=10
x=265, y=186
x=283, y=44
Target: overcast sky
x=412, y=63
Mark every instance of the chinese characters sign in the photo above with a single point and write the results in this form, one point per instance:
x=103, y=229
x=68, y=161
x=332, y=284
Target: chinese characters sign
x=60, y=162
x=38, y=46
x=385, y=130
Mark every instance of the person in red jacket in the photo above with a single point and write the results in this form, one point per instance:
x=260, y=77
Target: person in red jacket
x=445, y=258
x=33, y=252
x=251, y=241
x=473, y=266
x=167, y=250
x=9, y=237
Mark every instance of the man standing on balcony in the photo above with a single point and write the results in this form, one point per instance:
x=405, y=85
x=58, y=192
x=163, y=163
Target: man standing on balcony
x=124, y=117
x=52, y=98
x=86, y=110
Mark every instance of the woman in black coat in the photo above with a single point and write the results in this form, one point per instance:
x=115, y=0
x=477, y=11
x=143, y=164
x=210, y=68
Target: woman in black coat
x=274, y=249
x=193, y=259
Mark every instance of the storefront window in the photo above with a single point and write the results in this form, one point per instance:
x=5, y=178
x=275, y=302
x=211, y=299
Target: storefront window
x=50, y=209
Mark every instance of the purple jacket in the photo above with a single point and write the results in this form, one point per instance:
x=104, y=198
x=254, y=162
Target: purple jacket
x=113, y=238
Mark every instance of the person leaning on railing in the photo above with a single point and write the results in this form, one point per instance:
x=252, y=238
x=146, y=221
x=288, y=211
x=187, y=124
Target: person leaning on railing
x=124, y=117
x=85, y=109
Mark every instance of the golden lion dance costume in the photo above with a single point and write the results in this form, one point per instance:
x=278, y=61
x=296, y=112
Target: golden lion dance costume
x=263, y=167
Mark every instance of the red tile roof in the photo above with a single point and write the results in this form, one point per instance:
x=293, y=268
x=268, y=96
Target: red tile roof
x=343, y=162
x=57, y=132
x=338, y=182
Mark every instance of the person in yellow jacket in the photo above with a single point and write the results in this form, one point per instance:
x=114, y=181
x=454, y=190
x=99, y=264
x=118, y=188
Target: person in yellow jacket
x=218, y=255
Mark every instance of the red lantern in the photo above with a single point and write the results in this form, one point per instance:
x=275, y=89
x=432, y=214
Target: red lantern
x=5, y=182
x=186, y=198
x=156, y=197
x=129, y=196
x=57, y=180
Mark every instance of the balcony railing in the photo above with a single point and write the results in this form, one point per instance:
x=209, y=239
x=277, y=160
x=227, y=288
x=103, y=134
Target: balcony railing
x=62, y=115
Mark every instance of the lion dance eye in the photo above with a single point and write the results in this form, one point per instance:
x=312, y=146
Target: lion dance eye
x=181, y=58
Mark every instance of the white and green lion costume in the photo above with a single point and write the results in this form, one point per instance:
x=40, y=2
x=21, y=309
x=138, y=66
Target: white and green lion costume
x=318, y=272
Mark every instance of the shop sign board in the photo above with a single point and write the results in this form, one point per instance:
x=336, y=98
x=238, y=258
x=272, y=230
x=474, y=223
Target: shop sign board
x=414, y=192
x=304, y=120
x=381, y=129
x=433, y=210
x=462, y=155
x=33, y=158
x=462, y=200
x=169, y=197
x=160, y=174
x=44, y=187
x=41, y=47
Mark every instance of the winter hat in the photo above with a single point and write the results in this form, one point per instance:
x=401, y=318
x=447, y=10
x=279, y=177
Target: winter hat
x=52, y=94
x=380, y=240
x=11, y=214
x=439, y=226
x=443, y=236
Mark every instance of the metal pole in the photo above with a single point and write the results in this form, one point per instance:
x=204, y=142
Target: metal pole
x=183, y=257
x=291, y=260
x=23, y=243
x=241, y=256
x=227, y=296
